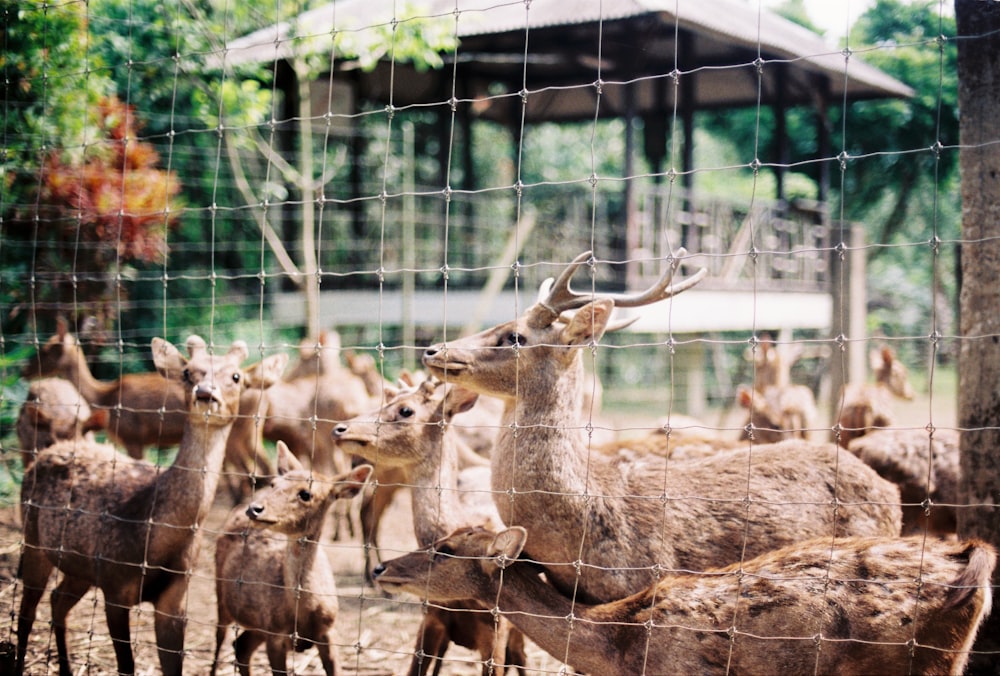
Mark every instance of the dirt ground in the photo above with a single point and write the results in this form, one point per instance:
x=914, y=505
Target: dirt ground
x=375, y=634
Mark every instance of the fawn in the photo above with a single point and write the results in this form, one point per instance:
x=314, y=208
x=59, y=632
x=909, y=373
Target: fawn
x=272, y=577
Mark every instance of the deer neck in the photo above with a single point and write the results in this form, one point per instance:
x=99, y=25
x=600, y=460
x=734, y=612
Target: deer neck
x=542, y=432
x=188, y=486
x=301, y=552
x=74, y=368
x=539, y=611
x=436, y=507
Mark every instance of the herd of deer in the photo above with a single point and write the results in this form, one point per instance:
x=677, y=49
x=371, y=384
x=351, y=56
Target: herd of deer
x=672, y=554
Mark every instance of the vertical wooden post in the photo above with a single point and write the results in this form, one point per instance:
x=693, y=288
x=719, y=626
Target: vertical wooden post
x=850, y=308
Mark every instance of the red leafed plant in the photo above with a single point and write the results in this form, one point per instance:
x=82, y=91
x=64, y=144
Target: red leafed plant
x=116, y=197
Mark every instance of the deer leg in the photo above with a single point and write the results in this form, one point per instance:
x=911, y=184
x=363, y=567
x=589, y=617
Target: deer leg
x=244, y=646
x=277, y=654
x=432, y=643
x=169, y=622
x=328, y=655
x=35, y=570
x=221, y=629
x=117, y=617
x=497, y=662
x=66, y=595
x=516, y=653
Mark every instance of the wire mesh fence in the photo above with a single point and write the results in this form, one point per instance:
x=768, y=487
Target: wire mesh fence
x=371, y=196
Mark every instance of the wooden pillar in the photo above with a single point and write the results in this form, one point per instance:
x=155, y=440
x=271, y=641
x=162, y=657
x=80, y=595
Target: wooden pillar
x=850, y=308
x=823, y=136
x=631, y=244
x=780, y=131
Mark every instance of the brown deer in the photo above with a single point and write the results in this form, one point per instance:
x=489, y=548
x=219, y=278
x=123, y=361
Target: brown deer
x=872, y=605
x=272, y=577
x=53, y=411
x=868, y=406
x=246, y=462
x=925, y=466
x=777, y=412
x=414, y=433
x=124, y=525
x=143, y=409
x=315, y=394
x=607, y=526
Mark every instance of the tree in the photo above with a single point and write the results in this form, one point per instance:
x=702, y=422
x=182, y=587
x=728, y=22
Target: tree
x=81, y=194
x=410, y=38
x=979, y=360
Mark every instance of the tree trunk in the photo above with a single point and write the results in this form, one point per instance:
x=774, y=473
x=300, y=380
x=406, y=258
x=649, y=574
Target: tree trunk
x=978, y=42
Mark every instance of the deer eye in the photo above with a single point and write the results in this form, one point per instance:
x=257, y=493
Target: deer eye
x=305, y=496
x=443, y=552
x=186, y=375
x=512, y=338
x=405, y=412
x=236, y=377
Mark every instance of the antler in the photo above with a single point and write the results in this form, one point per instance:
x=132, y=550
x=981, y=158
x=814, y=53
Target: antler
x=562, y=298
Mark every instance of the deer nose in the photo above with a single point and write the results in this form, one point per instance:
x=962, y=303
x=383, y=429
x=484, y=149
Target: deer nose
x=379, y=569
x=432, y=351
x=340, y=430
x=203, y=393
x=255, y=510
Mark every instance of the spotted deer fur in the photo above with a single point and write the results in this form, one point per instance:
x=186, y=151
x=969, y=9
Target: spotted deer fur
x=871, y=605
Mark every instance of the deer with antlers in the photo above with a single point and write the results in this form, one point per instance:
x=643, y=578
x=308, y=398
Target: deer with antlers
x=605, y=527
x=873, y=605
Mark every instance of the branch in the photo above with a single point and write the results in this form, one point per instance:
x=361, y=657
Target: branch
x=272, y=238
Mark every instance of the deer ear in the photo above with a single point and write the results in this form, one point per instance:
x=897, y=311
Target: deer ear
x=169, y=361
x=508, y=543
x=266, y=372
x=875, y=360
x=459, y=400
x=588, y=323
x=744, y=396
x=287, y=461
x=353, y=482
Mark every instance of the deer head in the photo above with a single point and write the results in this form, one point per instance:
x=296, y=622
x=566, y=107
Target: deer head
x=499, y=360
x=396, y=434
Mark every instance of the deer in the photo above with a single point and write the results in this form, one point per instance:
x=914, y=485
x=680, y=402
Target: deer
x=925, y=465
x=272, y=576
x=125, y=526
x=315, y=394
x=607, y=526
x=857, y=605
x=868, y=406
x=246, y=463
x=414, y=434
x=143, y=409
x=53, y=411
x=777, y=412
x=776, y=408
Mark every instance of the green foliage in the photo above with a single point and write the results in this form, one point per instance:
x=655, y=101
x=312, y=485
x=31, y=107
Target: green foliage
x=909, y=146
x=414, y=39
